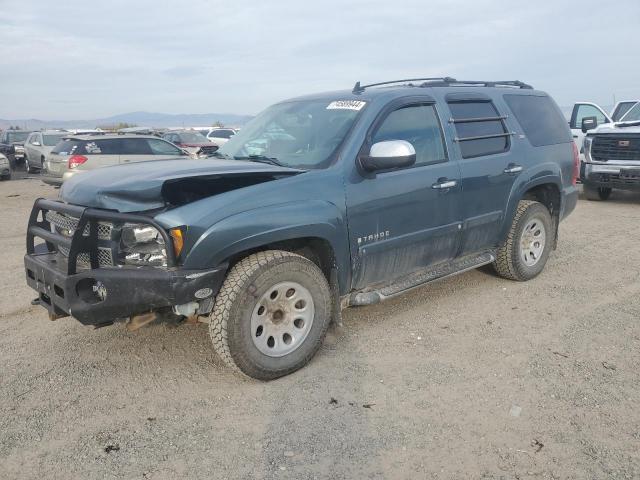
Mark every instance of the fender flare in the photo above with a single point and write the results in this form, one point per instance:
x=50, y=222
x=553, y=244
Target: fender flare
x=255, y=228
x=518, y=191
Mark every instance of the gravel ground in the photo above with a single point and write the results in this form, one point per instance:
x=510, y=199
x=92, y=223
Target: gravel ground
x=472, y=377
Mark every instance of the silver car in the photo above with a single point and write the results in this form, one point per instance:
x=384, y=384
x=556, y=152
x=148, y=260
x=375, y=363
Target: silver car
x=78, y=153
x=38, y=146
x=5, y=168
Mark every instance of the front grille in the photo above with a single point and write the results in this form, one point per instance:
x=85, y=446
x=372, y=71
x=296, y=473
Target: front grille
x=66, y=225
x=615, y=147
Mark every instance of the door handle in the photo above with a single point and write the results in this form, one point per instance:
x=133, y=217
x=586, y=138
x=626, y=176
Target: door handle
x=444, y=184
x=513, y=168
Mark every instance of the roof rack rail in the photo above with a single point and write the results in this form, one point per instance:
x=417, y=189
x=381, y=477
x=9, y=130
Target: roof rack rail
x=357, y=88
x=446, y=82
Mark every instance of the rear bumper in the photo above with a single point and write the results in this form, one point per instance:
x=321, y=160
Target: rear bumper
x=623, y=177
x=99, y=296
x=51, y=180
x=570, y=199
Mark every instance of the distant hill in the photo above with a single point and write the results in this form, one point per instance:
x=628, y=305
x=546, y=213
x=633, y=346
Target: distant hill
x=143, y=119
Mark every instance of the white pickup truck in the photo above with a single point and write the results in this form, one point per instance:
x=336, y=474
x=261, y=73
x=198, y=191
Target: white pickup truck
x=611, y=155
x=582, y=110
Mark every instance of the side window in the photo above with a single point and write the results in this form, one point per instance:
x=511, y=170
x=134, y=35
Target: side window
x=583, y=111
x=135, y=146
x=104, y=147
x=418, y=125
x=31, y=138
x=479, y=128
x=540, y=119
x=160, y=147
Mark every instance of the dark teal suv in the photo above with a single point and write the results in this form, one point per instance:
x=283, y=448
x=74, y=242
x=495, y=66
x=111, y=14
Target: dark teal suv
x=321, y=202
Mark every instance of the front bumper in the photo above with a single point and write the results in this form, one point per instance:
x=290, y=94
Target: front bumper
x=97, y=293
x=623, y=177
x=99, y=296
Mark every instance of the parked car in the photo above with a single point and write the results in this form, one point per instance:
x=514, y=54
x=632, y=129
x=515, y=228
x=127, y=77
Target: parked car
x=583, y=110
x=5, y=168
x=612, y=156
x=190, y=141
x=12, y=142
x=220, y=136
x=371, y=192
x=38, y=146
x=79, y=153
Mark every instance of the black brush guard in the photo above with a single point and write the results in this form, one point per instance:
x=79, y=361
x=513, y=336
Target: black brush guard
x=97, y=296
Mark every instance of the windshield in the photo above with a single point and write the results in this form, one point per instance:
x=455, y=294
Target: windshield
x=15, y=137
x=52, y=140
x=632, y=115
x=301, y=134
x=188, y=137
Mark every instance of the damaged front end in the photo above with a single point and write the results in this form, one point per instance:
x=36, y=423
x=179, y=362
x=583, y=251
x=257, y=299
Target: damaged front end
x=99, y=265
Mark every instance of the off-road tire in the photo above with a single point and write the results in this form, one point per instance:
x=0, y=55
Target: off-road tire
x=508, y=263
x=245, y=284
x=596, y=193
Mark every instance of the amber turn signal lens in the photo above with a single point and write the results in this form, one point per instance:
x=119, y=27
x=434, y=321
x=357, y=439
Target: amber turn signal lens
x=178, y=240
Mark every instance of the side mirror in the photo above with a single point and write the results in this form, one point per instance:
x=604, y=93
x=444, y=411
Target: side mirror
x=387, y=155
x=36, y=144
x=589, y=123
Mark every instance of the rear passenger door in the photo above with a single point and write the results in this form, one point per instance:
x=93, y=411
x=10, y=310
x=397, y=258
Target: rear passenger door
x=489, y=165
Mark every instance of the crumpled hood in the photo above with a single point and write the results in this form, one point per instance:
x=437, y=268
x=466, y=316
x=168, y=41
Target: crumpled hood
x=137, y=187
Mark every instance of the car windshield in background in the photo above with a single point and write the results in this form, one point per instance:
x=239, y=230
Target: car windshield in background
x=632, y=115
x=17, y=137
x=51, y=140
x=189, y=137
x=302, y=134
x=222, y=133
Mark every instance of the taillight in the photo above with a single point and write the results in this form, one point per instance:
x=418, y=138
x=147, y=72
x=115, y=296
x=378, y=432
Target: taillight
x=75, y=160
x=576, y=164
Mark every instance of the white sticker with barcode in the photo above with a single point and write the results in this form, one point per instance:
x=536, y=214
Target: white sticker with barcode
x=346, y=105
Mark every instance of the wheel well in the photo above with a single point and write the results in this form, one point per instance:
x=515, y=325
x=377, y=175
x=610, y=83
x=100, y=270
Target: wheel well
x=318, y=250
x=547, y=194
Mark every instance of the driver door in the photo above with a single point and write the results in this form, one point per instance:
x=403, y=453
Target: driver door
x=405, y=219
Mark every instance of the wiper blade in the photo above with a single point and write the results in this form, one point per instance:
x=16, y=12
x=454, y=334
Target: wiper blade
x=262, y=159
x=218, y=154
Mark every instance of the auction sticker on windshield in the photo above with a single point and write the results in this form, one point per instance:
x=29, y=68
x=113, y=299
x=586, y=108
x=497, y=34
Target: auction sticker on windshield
x=346, y=105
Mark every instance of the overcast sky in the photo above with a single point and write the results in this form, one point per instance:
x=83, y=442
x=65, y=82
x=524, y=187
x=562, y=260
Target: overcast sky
x=77, y=59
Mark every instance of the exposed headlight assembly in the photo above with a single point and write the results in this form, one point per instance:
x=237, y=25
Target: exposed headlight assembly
x=586, y=147
x=142, y=245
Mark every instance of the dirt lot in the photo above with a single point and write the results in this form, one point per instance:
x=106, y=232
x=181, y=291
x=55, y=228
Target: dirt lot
x=473, y=377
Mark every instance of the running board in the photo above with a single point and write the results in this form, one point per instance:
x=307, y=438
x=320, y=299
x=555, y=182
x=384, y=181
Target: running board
x=419, y=278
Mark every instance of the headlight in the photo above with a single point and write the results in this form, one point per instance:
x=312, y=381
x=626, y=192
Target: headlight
x=586, y=146
x=142, y=245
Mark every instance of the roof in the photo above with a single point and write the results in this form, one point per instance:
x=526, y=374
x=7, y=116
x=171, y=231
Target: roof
x=79, y=136
x=402, y=88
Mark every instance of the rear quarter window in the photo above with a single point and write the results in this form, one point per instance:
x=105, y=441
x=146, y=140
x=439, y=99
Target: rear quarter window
x=540, y=119
x=69, y=147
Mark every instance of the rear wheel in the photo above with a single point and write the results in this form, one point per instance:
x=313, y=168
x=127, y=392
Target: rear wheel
x=525, y=253
x=596, y=193
x=271, y=314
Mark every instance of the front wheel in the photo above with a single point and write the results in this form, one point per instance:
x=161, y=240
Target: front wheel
x=525, y=253
x=596, y=193
x=271, y=314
